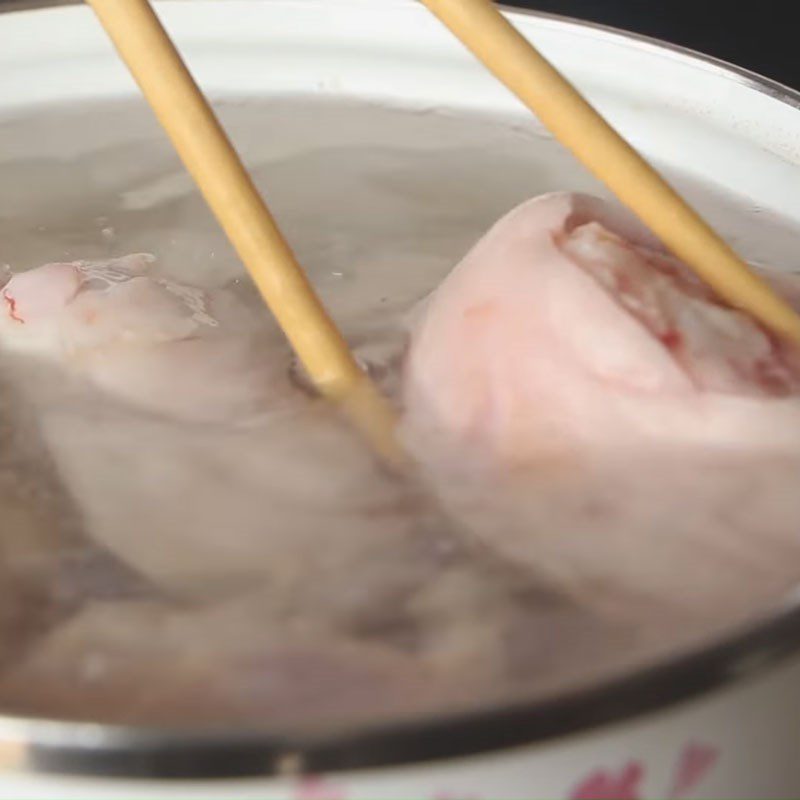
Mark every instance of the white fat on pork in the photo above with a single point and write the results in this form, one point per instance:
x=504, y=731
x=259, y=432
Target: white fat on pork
x=602, y=415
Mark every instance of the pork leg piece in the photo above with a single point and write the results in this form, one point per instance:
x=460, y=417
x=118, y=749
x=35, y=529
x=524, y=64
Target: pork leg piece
x=160, y=345
x=588, y=407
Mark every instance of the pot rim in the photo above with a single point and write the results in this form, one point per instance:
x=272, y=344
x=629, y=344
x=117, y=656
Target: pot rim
x=41, y=746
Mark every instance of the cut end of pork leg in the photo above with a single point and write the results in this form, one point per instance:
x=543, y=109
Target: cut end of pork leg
x=587, y=406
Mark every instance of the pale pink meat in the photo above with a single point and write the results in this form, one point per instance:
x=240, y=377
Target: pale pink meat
x=162, y=345
x=601, y=415
x=31, y=297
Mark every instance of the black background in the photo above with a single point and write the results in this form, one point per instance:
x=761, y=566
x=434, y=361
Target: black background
x=761, y=36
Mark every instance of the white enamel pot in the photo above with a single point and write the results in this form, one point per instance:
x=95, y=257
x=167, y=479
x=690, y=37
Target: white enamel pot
x=720, y=722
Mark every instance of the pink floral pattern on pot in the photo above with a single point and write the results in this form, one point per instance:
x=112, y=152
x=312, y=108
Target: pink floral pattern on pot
x=693, y=764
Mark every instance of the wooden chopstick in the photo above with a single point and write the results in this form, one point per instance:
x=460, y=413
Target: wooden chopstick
x=573, y=121
x=208, y=155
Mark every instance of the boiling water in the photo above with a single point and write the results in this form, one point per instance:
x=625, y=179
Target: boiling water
x=156, y=572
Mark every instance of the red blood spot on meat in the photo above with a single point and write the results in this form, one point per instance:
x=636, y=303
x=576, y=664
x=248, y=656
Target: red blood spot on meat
x=672, y=340
x=12, y=308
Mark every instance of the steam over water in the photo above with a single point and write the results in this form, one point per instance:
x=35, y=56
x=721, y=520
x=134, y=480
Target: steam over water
x=157, y=569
